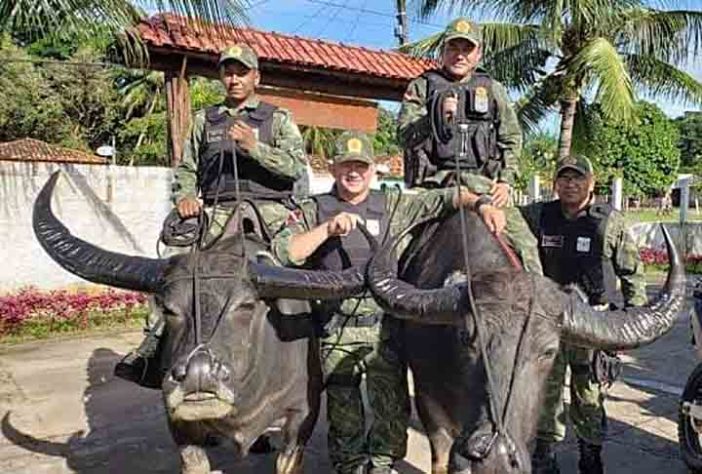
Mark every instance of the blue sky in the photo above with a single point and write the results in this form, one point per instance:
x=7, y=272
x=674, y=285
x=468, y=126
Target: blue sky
x=371, y=23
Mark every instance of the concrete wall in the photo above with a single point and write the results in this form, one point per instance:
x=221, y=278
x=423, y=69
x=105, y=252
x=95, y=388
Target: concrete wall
x=648, y=234
x=118, y=208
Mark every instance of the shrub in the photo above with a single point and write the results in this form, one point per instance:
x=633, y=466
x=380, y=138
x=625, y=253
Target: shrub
x=35, y=313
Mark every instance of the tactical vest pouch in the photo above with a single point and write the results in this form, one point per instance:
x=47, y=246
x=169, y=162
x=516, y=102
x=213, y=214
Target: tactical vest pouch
x=179, y=232
x=606, y=367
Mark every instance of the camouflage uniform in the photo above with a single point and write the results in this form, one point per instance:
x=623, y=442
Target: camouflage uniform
x=414, y=127
x=586, y=410
x=350, y=352
x=285, y=157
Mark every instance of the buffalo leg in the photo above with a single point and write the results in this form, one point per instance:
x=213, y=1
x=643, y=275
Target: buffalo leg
x=194, y=460
x=440, y=442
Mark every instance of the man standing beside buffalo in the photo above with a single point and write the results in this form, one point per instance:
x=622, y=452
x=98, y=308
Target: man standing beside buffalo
x=267, y=147
x=357, y=339
x=588, y=245
x=267, y=143
x=488, y=164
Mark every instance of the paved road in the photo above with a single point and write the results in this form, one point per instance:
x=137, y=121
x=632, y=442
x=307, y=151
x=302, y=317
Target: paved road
x=66, y=413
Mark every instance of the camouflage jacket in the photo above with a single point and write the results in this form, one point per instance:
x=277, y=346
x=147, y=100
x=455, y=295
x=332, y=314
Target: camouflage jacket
x=285, y=157
x=406, y=209
x=414, y=126
x=619, y=246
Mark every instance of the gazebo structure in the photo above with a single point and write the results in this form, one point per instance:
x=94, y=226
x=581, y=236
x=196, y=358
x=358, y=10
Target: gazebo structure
x=323, y=83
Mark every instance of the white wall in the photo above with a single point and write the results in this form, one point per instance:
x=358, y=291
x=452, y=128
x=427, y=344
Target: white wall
x=118, y=208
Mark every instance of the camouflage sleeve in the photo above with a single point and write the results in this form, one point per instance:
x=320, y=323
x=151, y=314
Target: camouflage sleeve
x=509, y=135
x=286, y=157
x=413, y=121
x=409, y=208
x=624, y=254
x=299, y=220
x=185, y=177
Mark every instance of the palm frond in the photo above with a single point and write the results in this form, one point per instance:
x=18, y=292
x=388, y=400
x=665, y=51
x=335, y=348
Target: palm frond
x=664, y=80
x=538, y=102
x=514, y=55
x=424, y=48
x=670, y=36
x=600, y=63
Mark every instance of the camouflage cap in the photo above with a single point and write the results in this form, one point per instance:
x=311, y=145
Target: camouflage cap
x=239, y=52
x=353, y=146
x=578, y=163
x=462, y=28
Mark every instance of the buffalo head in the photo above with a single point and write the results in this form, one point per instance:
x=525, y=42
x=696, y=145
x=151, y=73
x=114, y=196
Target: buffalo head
x=214, y=306
x=521, y=318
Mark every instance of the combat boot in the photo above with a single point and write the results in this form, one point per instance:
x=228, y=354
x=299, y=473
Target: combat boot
x=143, y=365
x=590, y=461
x=382, y=470
x=544, y=461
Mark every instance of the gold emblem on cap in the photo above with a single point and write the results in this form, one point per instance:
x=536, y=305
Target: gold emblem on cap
x=463, y=27
x=354, y=145
x=570, y=161
x=235, y=50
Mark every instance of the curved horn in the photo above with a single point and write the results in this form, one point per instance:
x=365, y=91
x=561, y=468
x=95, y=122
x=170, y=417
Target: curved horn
x=632, y=327
x=87, y=260
x=280, y=282
x=404, y=300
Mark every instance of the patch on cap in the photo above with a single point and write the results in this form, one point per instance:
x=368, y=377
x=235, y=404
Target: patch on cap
x=354, y=145
x=569, y=161
x=463, y=27
x=235, y=50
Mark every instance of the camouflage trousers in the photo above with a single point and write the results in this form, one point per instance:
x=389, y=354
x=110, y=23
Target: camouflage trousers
x=272, y=213
x=587, y=412
x=357, y=437
x=522, y=240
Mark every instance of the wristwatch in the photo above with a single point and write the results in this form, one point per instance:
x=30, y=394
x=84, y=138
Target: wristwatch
x=484, y=199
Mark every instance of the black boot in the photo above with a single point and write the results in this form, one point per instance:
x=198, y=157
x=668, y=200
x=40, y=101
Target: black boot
x=590, y=461
x=143, y=365
x=382, y=470
x=544, y=461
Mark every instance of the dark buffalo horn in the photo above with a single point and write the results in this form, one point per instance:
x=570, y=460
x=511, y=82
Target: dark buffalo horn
x=445, y=305
x=87, y=260
x=280, y=282
x=631, y=327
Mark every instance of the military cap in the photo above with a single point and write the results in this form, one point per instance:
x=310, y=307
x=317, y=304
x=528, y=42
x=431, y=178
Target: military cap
x=578, y=163
x=353, y=146
x=239, y=52
x=462, y=28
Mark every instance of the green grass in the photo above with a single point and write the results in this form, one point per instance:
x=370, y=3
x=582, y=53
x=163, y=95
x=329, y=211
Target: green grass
x=651, y=215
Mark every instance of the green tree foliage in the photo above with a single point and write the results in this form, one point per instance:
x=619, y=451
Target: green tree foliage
x=29, y=106
x=690, y=127
x=562, y=53
x=644, y=152
x=538, y=157
x=385, y=139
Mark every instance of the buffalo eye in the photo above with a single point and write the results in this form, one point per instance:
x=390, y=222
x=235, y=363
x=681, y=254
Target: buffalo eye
x=548, y=354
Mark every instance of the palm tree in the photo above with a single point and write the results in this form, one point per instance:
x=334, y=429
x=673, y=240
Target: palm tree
x=74, y=17
x=562, y=54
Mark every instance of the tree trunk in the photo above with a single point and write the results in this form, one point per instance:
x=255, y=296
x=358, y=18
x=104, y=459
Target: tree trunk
x=178, y=110
x=565, y=139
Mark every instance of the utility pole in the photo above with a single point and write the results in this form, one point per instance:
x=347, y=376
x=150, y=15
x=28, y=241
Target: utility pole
x=401, y=27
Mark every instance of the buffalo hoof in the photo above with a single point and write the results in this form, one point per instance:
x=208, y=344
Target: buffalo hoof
x=290, y=461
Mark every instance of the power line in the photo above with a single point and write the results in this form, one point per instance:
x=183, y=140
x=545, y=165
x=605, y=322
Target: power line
x=371, y=12
x=352, y=30
x=334, y=16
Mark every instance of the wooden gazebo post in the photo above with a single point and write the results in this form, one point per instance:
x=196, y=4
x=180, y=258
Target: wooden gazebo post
x=178, y=110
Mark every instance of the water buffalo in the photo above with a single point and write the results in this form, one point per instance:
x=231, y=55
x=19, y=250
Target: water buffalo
x=230, y=372
x=521, y=316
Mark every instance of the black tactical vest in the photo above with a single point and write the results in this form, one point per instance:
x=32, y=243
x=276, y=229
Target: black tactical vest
x=482, y=155
x=572, y=251
x=216, y=177
x=340, y=253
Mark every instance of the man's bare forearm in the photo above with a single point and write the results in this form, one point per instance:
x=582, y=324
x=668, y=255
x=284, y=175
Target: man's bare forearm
x=303, y=245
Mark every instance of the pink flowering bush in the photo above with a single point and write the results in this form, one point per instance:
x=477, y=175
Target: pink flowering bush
x=657, y=258
x=35, y=313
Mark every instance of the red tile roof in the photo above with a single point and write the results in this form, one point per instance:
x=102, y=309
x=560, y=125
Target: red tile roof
x=29, y=149
x=174, y=32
